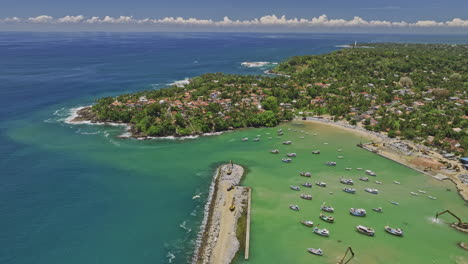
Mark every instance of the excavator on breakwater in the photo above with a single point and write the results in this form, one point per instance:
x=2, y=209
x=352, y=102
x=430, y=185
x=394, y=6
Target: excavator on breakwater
x=342, y=261
x=459, y=225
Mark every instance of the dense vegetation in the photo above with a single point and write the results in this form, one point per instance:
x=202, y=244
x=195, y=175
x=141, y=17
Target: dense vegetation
x=413, y=91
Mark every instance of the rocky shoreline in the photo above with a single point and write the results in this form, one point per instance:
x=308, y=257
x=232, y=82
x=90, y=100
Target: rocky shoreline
x=218, y=242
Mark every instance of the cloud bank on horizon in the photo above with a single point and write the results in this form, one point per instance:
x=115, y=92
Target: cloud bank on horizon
x=258, y=23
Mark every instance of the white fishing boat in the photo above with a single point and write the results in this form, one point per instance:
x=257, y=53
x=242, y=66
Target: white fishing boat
x=306, y=196
x=315, y=251
x=349, y=190
x=347, y=181
x=307, y=223
x=307, y=184
x=413, y=193
x=291, y=154
x=295, y=188
x=432, y=197
x=371, y=190
x=286, y=160
x=322, y=232
x=378, y=182
x=378, y=209
x=395, y=203
x=256, y=139
x=245, y=139
x=394, y=231
x=305, y=174
x=321, y=184
x=328, y=209
x=316, y=152
x=357, y=212
x=294, y=207
x=287, y=142
x=364, y=179
x=396, y=182
x=420, y=191
x=365, y=230
x=330, y=163
x=275, y=151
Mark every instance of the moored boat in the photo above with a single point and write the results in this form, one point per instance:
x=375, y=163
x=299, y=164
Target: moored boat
x=364, y=179
x=295, y=188
x=371, y=173
x=396, y=182
x=305, y=174
x=256, y=139
x=371, y=190
x=306, y=196
x=357, y=212
x=315, y=251
x=307, y=184
x=358, y=168
x=394, y=231
x=347, y=181
x=348, y=169
x=316, y=152
x=432, y=197
x=287, y=142
x=321, y=184
x=413, y=193
x=420, y=191
x=349, y=190
x=245, y=139
x=327, y=218
x=328, y=209
x=291, y=154
x=378, y=209
x=378, y=182
x=330, y=163
x=393, y=202
x=275, y=151
x=307, y=222
x=322, y=232
x=294, y=207
x=365, y=230
x=286, y=160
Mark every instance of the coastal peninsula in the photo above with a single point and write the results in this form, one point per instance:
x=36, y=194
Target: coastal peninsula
x=226, y=218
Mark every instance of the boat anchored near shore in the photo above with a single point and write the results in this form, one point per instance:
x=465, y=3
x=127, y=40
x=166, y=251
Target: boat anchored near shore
x=394, y=231
x=365, y=230
x=357, y=212
x=314, y=251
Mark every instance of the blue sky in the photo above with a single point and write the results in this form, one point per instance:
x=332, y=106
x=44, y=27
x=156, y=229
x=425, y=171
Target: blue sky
x=409, y=11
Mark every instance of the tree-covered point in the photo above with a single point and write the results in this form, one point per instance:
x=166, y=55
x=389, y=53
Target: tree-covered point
x=413, y=91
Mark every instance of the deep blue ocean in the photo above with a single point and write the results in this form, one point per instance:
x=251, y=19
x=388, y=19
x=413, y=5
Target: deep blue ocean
x=67, y=195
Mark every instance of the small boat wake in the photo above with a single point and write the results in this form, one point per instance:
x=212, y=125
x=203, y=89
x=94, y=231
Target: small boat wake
x=170, y=257
x=196, y=196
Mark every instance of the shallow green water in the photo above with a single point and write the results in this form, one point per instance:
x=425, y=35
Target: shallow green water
x=127, y=185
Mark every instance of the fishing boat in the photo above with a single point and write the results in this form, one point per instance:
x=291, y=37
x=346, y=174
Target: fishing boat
x=349, y=190
x=314, y=251
x=393, y=202
x=280, y=133
x=394, y=231
x=305, y=174
x=294, y=207
x=286, y=160
x=371, y=190
x=365, y=230
x=287, y=142
x=281, y=130
x=327, y=218
x=322, y=232
x=328, y=209
x=378, y=182
x=275, y=151
x=307, y=222
x=321, y=184
x=256, y=139
x=358, y=168
x=413, y=193
x=307, y=184
x=302, y=137
x=396, y=182
x=432, y=197
x=291, y=154
x=339, y=150
x=357, y=212
x=378, y=209
x=339, y=157
x=347, y=181
x=364, y=179
x=421, y=191
x=316, y=152
x=348, y=169
x=245, y=139
x=371, y=173
x=295, y=188
x=331, y=163
x=306, y=196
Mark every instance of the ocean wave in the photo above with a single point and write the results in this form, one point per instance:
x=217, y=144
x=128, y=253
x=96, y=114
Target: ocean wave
x=181, y=83
x=183, y=226
x=170, y=257
x=254, y=64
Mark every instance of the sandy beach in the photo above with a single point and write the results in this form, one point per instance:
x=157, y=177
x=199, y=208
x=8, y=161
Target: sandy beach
x=407, y=153
x=218, y=241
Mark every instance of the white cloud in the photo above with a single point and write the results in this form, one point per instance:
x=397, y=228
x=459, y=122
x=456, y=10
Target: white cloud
x=266, y=21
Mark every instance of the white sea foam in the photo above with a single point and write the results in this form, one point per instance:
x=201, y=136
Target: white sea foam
x=252, y=64
x=170, y=257
x=181, y=83
x=183, y=225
